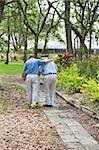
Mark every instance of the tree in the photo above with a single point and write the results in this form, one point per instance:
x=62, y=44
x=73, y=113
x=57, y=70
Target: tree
x=2, y=2
x=37, y=21
x=68, y=26
x=38, y=17
x=65, y=15
x=85, y=13
x=8, y=28
x=50, y=25
x=83, y=24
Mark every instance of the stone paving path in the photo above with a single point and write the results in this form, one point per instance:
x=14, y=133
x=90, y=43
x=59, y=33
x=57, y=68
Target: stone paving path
x=71, y=131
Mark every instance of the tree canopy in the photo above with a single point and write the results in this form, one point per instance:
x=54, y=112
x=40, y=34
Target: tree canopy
x=43, y=19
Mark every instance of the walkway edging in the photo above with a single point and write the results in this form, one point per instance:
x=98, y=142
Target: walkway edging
x=82, y=108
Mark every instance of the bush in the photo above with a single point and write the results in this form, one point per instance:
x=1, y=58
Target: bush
x=1, y=57
x=63, y=60
x=13, y=56
x=91, y=89
x=29, y=51
x=98, y=75
x=70, y=79
x=82, y=53
x=21, y=51
x=88, y=66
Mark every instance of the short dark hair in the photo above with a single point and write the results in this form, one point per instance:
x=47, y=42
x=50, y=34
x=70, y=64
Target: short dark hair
x=31, y=56
x=45, y=55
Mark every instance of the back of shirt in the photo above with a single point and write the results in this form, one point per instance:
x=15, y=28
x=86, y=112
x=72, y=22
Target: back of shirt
x=49, y=67
x=32, y=66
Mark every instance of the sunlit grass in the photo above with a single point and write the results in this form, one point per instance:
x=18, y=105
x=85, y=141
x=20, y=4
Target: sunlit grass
x=11, y=68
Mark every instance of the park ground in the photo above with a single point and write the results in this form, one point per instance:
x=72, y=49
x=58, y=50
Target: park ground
x=31, y=129
x=22, y=127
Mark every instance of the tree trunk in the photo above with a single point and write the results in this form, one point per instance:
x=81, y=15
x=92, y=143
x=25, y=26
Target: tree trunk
x=25, y=43
x=45, y=43
x=90, y=42
x=82, y=44
x=83, y=48
x=25, y=47
x=7, y=56
x=36, y=46
x=2, y=2
x=20, y=33
x=68, y=27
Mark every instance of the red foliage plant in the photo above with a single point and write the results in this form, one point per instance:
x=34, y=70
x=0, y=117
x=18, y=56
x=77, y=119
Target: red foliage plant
x=65, y=58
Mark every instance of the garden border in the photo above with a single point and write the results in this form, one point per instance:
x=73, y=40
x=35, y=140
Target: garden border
x=82, y=108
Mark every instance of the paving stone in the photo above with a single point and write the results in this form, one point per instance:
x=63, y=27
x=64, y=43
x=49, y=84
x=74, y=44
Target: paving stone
x=64, y=130
x=71, y=131
x=49, y=110
x=65, y=115
x=76, y=146
x=92, y=147
x=68, y=140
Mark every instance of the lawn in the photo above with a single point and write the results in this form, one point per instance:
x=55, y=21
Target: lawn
x=11, y=68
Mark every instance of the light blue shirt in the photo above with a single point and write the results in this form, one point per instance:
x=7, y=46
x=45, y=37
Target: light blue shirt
x=32, y=66
x=49, y=67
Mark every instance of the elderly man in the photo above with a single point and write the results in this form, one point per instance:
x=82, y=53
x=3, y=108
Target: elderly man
x=50, y=77
x=31, y=68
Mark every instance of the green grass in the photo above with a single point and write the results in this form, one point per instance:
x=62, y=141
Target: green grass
x=11, y=68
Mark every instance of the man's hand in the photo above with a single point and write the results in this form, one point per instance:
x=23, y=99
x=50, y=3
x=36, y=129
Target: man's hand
x=48, y=60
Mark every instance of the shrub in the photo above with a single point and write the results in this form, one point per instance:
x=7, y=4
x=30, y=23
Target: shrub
x=65, y=58
x=21, y=51
x=98, y=75
x=82, y=53
x=91, y=89
x=13, y=56
x=29, y=51
x=55, y=58
x=70, y=79
x=88, y=66
x=1, y=57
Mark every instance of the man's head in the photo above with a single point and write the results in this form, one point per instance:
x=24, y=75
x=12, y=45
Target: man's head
x=45, y=56
x=31, y=56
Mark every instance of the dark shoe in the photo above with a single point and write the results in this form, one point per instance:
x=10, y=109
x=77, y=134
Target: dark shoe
x=45, y=105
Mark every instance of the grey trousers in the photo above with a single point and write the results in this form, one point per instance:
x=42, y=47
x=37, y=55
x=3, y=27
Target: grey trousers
x=49, y=87
x=32, y=88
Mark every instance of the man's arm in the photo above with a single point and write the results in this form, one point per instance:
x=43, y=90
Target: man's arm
x=25, y=67
x=24, y=74
x=43, y=62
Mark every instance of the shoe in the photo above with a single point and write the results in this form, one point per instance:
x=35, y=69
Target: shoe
x=45, y=105
x=33, y=106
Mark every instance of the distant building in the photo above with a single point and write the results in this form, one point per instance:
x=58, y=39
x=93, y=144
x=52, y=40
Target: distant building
x=52, y=47
x=95, y=50
x=59, y=47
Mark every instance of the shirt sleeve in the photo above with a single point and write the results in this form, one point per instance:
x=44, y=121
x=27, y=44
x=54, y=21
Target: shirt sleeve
x=41, y=62
x=25, y=67
x=40, y=69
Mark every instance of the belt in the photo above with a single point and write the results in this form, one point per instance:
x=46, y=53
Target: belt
x=49, y=73
x=32, y=74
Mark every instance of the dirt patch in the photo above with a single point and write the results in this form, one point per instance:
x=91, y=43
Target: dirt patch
x=22, y=128
x=81, y=100
x=11, y=78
